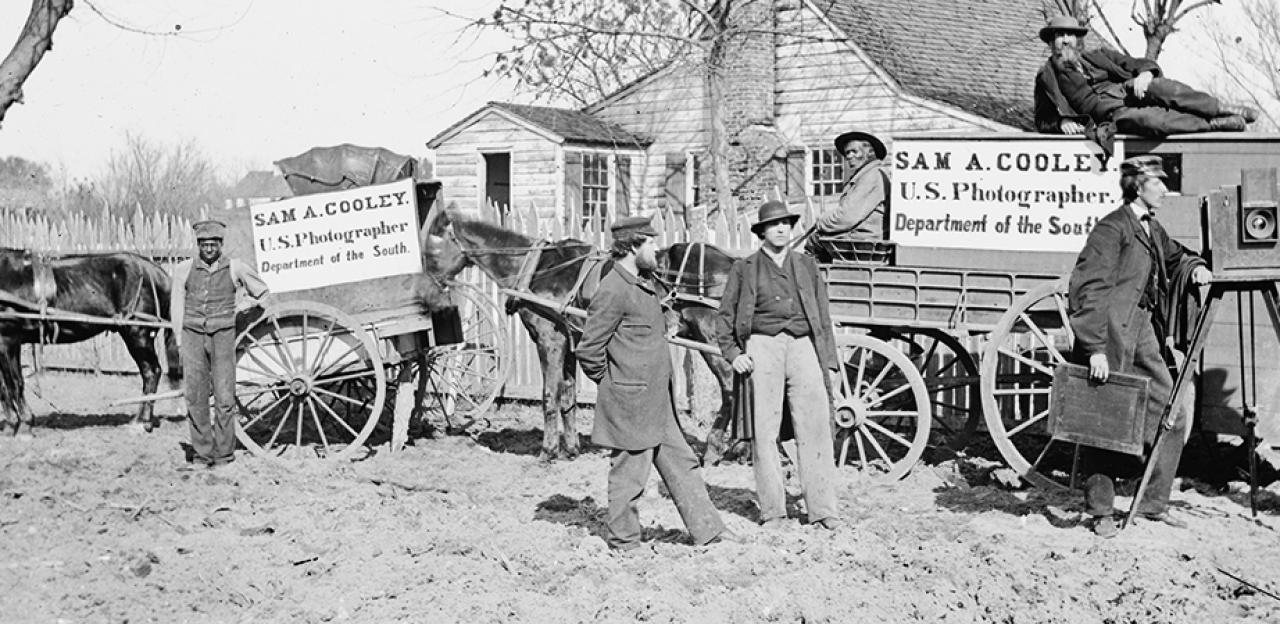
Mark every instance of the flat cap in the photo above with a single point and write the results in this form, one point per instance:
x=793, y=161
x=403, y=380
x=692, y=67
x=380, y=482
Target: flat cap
x=211, y=228
x=633, y=225
x=1147, y=164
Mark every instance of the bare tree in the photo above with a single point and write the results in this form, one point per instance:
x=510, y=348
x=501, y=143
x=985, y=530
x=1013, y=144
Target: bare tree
x=177, y=179
x=583, y=50
x=1159, y=19
x=35, y=40
x=1249, y=57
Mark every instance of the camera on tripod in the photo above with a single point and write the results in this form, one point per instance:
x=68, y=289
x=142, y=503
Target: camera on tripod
x=1242, y=228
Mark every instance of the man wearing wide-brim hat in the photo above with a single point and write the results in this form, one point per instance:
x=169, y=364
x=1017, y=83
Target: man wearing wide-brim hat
x=1118, y=294
x=207, y=292
x=1107, y=92
x=774, y=324
x=624, y=350
x=864, y=200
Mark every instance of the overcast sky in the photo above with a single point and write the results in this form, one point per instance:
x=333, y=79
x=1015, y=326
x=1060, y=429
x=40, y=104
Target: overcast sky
x=252, y=81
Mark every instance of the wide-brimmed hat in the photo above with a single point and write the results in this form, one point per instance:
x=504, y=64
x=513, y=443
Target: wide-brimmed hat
x=1148, y=165
x=1062, y=23
x=633, y=225
x=876, y=144
x=773, y=211
x=211, y=228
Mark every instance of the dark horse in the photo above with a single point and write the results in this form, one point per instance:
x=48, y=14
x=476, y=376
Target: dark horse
x=119, y=286
x=452, y=243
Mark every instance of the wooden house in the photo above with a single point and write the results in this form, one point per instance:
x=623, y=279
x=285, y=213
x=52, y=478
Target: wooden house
x=891, y=67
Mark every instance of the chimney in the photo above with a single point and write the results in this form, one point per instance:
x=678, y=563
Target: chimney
x=749, y=101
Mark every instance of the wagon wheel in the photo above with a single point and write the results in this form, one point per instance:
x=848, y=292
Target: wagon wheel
x=882, y=410
x=950, y=374
x=1030, y=341
x=307, y=375
x=465, y=372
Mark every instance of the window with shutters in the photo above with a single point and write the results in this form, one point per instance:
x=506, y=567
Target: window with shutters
x=827, y=170
x=595, y=190
x=694, y=177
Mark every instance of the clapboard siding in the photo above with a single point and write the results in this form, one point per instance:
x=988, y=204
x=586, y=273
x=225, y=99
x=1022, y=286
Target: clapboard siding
x=823, y=87
x=534, y=164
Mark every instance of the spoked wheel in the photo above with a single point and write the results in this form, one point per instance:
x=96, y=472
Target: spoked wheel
x=1018, y=363
x=882, y=408
x=307, y=377
x=950, y=374
x=466, y=369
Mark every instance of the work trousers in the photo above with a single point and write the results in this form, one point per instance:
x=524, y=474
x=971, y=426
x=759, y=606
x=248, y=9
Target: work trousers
x=1103, y=466
x=678, y=467
x=787, y=368
x=1169, y=107
x=209, y=363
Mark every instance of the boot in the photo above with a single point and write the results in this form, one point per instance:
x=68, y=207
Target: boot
x=1104, y=134
x=1249, y=113
x=1234, y=123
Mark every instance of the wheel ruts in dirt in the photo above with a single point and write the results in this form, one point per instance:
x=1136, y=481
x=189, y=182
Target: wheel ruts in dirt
x=1032, y=338
x=950, y=373
x=464, y=378
x=298, y=367
x=882, y=409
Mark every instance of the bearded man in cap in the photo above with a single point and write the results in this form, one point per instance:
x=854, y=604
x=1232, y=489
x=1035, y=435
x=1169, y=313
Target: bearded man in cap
x=624, y=350
x=1104, y=92
x=1116, y=302
x=865, y=197
x=775, y=325
x=207, y=292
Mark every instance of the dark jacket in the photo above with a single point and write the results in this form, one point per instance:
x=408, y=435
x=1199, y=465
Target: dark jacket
x=739, y=303
x=1052, y=106
x=1110, y=277
x=624, y=350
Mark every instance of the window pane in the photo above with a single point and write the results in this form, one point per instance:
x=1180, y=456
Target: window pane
x=828, y=172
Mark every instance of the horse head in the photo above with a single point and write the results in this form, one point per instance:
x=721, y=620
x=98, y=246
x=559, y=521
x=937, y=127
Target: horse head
x=442, y=257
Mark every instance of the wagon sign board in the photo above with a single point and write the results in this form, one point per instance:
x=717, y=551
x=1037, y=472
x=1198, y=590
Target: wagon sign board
x=334, y=238
x=1011, y=195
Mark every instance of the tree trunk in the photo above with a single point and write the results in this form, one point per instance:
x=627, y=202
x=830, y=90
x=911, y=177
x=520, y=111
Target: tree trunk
x=720, y=146
x=35, y=40
x=1156, y=35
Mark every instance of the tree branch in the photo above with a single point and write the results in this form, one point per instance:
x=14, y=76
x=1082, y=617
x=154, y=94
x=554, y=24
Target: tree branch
x=35, y=40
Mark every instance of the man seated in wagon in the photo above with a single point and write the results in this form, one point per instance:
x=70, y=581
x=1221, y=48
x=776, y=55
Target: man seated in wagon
x=860, y=213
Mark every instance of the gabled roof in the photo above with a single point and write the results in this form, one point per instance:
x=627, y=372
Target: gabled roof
x=559, y=124
x=261, y=184
x=977, y=55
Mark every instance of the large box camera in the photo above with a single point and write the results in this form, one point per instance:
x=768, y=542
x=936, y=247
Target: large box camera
x=1242, y=236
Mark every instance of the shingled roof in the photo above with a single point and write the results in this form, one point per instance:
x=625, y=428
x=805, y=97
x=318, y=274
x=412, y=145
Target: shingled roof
x=574, y=126
x=977, y=55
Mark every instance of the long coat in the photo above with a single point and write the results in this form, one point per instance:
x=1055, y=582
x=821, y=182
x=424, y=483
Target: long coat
x=738, y=306
x=1110, y=277
x=1052, y=106
x=624, y=350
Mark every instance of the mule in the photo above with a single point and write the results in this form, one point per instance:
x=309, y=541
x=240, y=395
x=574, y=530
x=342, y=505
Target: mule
x=451, y=244
x=122, y=286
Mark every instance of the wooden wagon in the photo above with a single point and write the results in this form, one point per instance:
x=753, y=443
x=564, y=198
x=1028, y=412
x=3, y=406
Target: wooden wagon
x=952, y=333
x=347, y=337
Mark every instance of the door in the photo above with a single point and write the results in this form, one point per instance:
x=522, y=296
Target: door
x=497, y=184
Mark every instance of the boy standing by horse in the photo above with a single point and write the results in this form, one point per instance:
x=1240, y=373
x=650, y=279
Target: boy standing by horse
x=203, y=310
x=624, y=350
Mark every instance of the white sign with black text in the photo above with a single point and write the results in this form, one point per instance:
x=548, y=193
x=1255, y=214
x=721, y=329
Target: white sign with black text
x=334, y=238
x=997, y=194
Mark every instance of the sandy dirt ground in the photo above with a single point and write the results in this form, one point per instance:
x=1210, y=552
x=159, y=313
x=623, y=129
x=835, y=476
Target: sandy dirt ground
x=97, y=525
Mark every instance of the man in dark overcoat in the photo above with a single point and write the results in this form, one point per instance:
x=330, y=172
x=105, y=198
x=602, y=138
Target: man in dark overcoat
x=1112, y=92
x=624, y=350
x=775, y=325
x=1117, y=293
